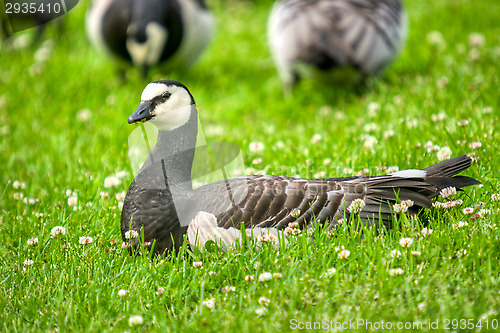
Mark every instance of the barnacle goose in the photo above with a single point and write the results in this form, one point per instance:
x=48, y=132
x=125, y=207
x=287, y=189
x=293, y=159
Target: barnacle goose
x=36, y=15
x=146, y=33
x=162, y=202
x=318, y=37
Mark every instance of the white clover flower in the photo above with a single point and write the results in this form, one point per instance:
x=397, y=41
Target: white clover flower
x=122, y=292
x=483, y=212
x=453, y=203
x=428, y=146
x=33, y=242
x=421, y=306
x=476, y=40
x=249, y=278
x=373, y=107
x=267, y=238
x=444, y=153
x=474, y=55
x=121, y=174
x=17, y=184
x=448, y=192
x=408, y=203
x=58, y=230
x=316, y=138
x=399, y=208
x=292, y=231
x=198, y=264
x=30, y=201
x=120, y=205
x=295, y=213
x=111, y=181
x=256, y=147
x=406, y=242
x=18, y=196
x=468, y=210
x=131, y=234
x=438, y=117
x=277, y=275
x=85, y=240
x=356, y=206
x=104, y=195
x=396, y=271
x=436, y=39
x=135, y=321
x=210, y=304
x=348, y=171
x=426, y=232
x=487, y=109
x=344, y=254
x=120, y=196
x=160, y=291
x=475, y=145
x=370, y=127
x=388, y=134
x=257, y=160
x=392, y=169
x=396, y=254
x=320, y=174
x=227, y=289
x=83, y=115
x=260, y=311
x=416, y=253
x=462, y=123
x=265, y=276
x=369, y=141
x=28, y=262
x=460, y=224
x=495, y=197
x=264, y=301
x=329, y=273
x=279, y=145
x=438, y=205
x=73, y=200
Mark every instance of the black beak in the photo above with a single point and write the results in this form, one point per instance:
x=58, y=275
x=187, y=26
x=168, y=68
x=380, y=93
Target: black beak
x=143, y=113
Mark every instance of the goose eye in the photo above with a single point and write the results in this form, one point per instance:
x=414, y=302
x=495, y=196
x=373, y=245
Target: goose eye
x=166, y=95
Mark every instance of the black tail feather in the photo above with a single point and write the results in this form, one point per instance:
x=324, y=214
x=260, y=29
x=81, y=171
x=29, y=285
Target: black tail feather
x=450, y=167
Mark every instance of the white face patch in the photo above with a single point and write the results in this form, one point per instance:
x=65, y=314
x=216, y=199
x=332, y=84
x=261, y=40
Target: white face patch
x=152, y=90
x=149, y=52
x=172, y=113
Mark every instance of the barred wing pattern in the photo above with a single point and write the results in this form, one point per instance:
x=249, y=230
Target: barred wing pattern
x=329, y=34
x=264, y=204
x=268, y=201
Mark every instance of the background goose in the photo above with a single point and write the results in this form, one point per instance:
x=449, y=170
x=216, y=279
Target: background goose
x=161, y=199
x=364, y=35
x=149, y=32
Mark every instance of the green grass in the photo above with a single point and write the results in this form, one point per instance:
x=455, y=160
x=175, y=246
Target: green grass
x=75, y=288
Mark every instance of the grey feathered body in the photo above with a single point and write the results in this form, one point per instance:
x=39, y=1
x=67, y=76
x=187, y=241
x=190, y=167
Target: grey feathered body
x=268, y=201
x=330, y=34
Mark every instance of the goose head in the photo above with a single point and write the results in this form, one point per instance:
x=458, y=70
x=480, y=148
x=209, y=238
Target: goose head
x=166, y=104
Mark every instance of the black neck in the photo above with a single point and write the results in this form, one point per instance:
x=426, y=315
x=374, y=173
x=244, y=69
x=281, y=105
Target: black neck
x=174, y=149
